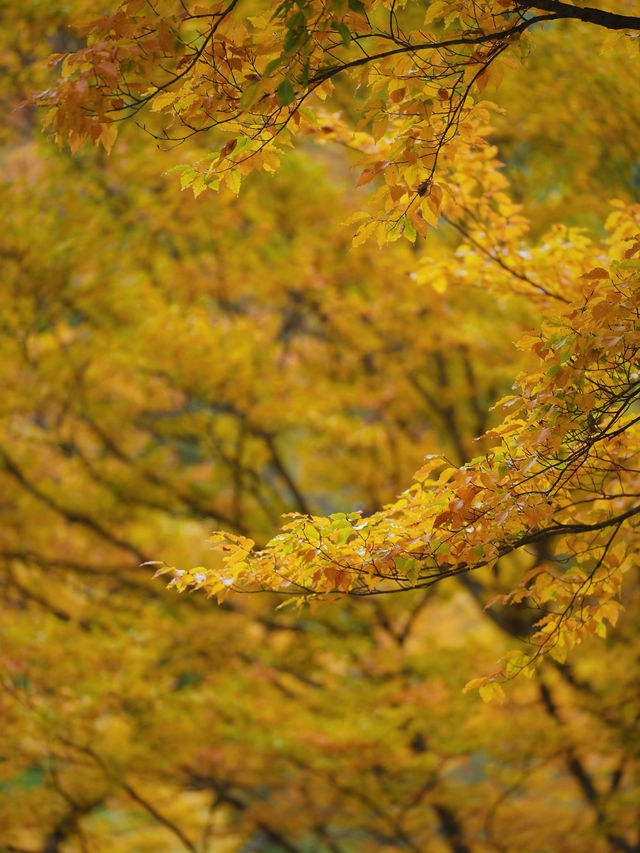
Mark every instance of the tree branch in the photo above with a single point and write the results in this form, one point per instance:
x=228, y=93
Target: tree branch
x=588, y=14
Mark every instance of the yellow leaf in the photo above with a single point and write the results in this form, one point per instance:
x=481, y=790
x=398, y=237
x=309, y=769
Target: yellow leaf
x=163, y=100
x=364, y=233
x=474, y=684
x=108, y=136
x=198, y=186
x=356, y=217
x=492, y=691
x=76, y=141
x=234, y=179
x=379, y=128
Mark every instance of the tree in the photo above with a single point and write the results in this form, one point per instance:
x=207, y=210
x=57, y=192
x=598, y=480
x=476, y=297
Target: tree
x=262, y=77
x=173, y=363
x=420, y=78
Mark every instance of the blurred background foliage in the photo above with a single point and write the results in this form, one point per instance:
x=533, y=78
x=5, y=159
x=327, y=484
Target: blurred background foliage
x=172, y=364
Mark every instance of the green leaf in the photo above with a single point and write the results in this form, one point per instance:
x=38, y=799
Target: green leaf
x=234, y=179
x=357, y=6
x=296, y=32
x=297, y=21
x=271, y=67
x=188, y=177
x=280, y=10
x=181, y=168
x=250, y=95
x=409, y=231
x=292, y=41
x=345, y=34
x=243, y=142
x=286, y=92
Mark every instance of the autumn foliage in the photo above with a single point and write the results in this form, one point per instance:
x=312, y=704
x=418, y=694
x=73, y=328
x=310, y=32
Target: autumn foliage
x=420, y=456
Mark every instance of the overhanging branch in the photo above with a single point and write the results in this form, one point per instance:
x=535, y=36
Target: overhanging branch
x=588, y=14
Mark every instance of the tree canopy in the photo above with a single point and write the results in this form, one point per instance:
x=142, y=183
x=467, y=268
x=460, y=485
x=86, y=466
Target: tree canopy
x=448, y=424
x=418, y=122
x=409, y=82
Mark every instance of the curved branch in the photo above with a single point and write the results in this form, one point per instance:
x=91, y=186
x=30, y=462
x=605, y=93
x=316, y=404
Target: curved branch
x=588, y=14
x=434, y=45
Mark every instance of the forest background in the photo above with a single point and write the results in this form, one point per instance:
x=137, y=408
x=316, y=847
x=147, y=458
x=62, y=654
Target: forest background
x=178, y=362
